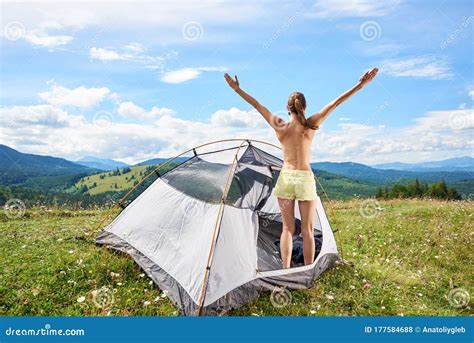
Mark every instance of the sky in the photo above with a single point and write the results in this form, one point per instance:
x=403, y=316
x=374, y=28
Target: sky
x=143, y=79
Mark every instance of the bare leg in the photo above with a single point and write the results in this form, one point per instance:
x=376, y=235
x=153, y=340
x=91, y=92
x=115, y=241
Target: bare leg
x=287, y=209
x=308, y=213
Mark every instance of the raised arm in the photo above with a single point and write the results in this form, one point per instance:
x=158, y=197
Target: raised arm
x=274, y=121
x=318, y=118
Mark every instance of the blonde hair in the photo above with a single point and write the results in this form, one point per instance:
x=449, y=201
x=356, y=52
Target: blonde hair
x=297, y=105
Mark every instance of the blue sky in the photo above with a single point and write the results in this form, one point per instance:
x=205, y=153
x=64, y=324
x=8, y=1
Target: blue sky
x=81, y=79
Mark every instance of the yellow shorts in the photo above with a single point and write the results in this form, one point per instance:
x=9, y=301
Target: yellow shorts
x=296, y=185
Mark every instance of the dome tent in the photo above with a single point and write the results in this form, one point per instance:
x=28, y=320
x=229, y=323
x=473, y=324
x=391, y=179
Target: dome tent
x=206, y=230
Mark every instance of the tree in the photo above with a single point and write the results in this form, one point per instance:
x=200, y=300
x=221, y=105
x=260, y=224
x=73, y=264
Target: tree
x=418, y=189
x=83, y=189
x=3, y=197
x=453, y=194
x=379, y=193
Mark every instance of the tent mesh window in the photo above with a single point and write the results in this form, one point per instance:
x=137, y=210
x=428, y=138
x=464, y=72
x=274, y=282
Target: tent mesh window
x=199, y=179
x=204, y=177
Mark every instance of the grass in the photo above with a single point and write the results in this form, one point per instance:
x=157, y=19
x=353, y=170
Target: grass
x=110, y=182
x=404, y=261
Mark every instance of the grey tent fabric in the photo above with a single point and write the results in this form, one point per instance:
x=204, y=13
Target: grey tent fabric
x=205, y=232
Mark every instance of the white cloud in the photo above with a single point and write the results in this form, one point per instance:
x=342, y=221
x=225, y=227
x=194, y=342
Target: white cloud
x=353, y=8
x=41, y=38
x=163, y=18
x=471, y=93
x=419, y=67
x=436, y=135
x=104, y=54
x=32, y=117
x=133, y=52
x=186, y=74
x=180, y=76
x=437, y=121
x=51, y=130
x=80, y=97
x=58, y=133
x=135, y=48
x=237, y=118
x=130, y=110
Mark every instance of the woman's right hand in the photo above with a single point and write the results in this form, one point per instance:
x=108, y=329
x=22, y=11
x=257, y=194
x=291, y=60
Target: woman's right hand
x=234, y=84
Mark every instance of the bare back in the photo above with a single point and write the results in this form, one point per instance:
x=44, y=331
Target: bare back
x=296, y=142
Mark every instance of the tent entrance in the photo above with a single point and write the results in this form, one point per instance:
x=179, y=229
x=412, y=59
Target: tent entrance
x=268, y=242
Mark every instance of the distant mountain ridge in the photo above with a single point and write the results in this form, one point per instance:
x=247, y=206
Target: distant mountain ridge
x=464, y=163
x=161, y=160
x=101, y=163
x=19, y=168
x=362, y=172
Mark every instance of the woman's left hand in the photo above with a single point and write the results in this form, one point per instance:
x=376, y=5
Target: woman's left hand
x=234, y=84
x=368, y=76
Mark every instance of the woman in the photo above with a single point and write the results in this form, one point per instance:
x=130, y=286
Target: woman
x=296, y=180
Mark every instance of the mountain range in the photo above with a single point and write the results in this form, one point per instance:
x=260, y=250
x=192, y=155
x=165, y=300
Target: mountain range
x=29, y=169
x=100, y=163
x=363, y=172
x=46, y=172
x=464, y=163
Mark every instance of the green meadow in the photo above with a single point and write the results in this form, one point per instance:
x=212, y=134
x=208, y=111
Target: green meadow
x=108, y=182
x=404, y=257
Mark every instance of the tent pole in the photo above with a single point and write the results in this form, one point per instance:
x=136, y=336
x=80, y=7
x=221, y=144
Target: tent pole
x=216, y=229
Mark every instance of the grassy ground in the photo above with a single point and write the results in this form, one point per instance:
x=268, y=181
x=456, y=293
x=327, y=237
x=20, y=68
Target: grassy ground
x=406, y=256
